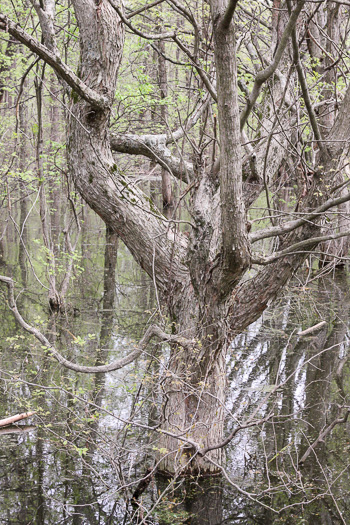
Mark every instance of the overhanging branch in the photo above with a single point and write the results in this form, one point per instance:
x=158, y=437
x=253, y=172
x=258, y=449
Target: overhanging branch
x=154, y=147
x=152, y=331
x=298, y=246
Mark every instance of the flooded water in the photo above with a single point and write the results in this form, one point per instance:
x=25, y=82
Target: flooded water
x=86, y=453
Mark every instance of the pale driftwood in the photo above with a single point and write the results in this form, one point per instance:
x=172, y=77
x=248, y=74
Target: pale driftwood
x=13, y=419
x=312, y=329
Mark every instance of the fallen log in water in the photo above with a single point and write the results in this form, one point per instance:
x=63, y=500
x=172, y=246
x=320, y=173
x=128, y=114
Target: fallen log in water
x=13, y=419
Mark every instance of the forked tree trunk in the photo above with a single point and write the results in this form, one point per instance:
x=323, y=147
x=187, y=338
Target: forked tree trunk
x=195, y=388
x=196, y=278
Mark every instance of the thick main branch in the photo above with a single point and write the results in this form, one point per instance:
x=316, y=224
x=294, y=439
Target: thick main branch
x=154, y=147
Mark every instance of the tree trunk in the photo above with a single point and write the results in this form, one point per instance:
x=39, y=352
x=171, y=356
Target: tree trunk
x=195, y=393
x=122, y=206
x=199, y=279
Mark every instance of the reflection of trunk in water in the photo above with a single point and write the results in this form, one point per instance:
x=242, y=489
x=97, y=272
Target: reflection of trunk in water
x=34, y=503
x=320, y=402
x=84, y=491
x=204, y=502
x=322, y=370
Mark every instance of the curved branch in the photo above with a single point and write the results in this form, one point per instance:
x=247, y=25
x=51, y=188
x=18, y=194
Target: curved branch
x=155, y=146
x=88, y=94
x=322, y=435
x=301, y=245
x=147, y=36
x=144, y=8
x=152, y=331
x=204, y=77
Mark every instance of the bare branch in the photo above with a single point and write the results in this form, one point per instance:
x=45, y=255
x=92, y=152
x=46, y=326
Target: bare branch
x=13, y=419
x=200, y=71
x=305, y=90
x=152, y=331
x=173, y=136
x=312, y=329
x=144, y=8
x=185, y=12
x=229, y=438
x=298, y=246
x=146, y=36
x=230, y=11
x=266, y=73
x=273, y=231
x=154, y=147
x=323, y=434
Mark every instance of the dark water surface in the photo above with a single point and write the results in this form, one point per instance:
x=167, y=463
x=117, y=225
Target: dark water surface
x=80, y=459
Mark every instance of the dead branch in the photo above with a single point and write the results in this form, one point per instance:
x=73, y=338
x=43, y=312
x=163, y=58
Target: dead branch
x=13, y=419
x=312, y=329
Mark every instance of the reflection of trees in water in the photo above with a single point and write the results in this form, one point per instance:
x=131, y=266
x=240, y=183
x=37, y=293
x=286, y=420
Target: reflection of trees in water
x=46, y=464
x=87, y=508
x=306, y=406
x=270, y=352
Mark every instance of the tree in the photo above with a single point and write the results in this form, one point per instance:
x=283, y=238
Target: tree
x=211, y=282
